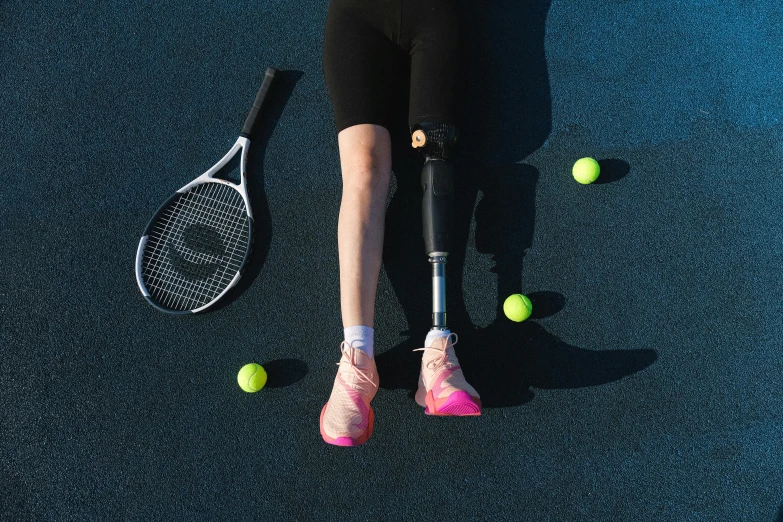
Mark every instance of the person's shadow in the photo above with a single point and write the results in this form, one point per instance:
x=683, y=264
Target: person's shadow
x=506, y=115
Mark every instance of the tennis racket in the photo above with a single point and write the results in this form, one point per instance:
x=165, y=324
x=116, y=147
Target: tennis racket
x=195, y=246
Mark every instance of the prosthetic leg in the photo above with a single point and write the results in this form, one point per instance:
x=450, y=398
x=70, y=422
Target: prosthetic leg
x=436, y=141
x=442, y=389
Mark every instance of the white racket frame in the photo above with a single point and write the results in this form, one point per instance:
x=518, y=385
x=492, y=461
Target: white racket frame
x=242, y=144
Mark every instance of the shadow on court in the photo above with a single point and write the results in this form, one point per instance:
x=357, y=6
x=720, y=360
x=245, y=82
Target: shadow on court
x=277, y=99
x=284, y=372
x=506, y=115
x=612, y=170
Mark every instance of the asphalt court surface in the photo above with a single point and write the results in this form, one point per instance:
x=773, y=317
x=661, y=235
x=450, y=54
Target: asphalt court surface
x=646, y=386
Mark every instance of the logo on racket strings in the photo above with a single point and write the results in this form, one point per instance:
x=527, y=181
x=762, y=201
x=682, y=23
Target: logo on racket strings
x=201, y=253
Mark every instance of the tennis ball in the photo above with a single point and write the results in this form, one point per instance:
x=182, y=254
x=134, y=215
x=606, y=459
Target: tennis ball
x=586, y=170
x=517, y=307
x=252, y=377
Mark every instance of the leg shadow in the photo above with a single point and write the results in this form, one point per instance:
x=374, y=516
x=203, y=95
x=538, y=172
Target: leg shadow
x=506, y=115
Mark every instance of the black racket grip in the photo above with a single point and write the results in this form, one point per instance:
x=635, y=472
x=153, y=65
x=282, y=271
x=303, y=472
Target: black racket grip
x=250, y=121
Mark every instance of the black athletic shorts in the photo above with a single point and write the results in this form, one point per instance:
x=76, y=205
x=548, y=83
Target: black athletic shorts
x=363, y=43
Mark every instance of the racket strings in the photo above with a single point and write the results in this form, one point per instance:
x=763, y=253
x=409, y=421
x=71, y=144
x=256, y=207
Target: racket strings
x=188, y=263
x=178, y=272
x=196, y=247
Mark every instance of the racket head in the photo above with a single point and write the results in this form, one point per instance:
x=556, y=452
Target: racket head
x=195, y=247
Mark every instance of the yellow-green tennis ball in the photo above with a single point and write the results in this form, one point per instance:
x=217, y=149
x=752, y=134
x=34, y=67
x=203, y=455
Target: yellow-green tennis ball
x=517, y=307
x=252, y=377
x=586, y=170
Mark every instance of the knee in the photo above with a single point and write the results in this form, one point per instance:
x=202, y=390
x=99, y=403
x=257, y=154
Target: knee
x=366, y=177
x=365, y=158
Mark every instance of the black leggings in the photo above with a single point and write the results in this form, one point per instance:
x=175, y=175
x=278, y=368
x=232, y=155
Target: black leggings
x=363, y=43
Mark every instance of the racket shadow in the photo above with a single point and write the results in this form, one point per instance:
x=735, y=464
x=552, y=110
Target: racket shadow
x=279, y=94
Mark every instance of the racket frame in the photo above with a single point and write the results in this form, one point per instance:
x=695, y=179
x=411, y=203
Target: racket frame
x=242, y=145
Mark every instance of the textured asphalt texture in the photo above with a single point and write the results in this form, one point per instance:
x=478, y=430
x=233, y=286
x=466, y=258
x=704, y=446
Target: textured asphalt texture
x=647, y=385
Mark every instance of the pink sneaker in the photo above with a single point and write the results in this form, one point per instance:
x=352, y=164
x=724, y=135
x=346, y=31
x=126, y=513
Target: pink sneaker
x=443, y=389
x=347, y=418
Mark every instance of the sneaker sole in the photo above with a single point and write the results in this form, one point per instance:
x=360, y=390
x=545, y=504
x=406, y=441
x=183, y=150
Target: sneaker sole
x=347, y=441
x=458, y=404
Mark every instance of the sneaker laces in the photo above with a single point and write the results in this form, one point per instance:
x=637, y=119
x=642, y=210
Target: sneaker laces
x=349, y=358
x=443, y=357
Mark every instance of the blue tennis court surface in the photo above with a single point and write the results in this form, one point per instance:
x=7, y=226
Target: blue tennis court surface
x=646, y=386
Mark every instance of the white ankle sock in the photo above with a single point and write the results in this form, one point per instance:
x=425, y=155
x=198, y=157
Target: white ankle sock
x=360, y=337
x=435, y=334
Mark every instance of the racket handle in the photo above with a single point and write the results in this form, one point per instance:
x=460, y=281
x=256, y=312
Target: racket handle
x=250, y=121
